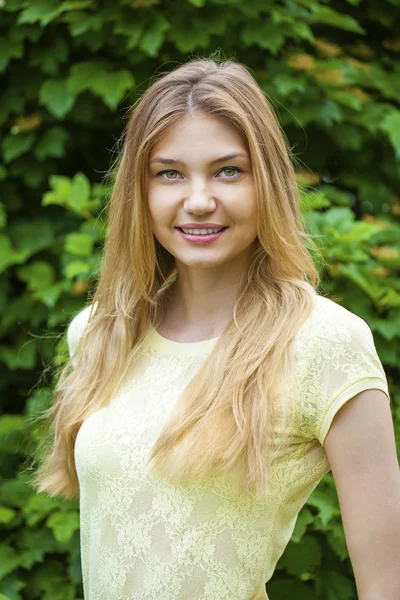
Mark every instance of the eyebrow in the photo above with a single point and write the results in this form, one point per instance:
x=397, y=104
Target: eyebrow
x=171, y=161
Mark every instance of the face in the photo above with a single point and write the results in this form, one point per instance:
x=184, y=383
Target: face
x=190, y=181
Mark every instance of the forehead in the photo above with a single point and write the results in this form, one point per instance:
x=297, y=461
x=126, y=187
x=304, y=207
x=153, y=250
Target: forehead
x=202, y=133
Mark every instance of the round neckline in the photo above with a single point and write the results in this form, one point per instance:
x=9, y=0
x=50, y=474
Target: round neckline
x=156, y=340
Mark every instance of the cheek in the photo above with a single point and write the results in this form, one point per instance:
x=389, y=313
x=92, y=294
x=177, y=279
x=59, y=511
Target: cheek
x=162, y=216
x=156, y=206
x=243, y=206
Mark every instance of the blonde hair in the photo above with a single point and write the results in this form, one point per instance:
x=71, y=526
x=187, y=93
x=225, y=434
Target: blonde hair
x=227, y=415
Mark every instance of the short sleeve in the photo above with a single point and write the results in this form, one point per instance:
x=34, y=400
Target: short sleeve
x=75, y=331
x=342, y=361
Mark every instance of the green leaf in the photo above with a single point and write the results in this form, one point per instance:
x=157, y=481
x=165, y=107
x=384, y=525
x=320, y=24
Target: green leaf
x=200, y=31
x=357, y=275
x=73, y=194
x=326, y=505
x=56, y=96
x=301, y=558
x=286, y=84
x=16, y=145
x=361, y=231
x=345, y=254
x=344, y=98
x=37, y=275
x=24, y=32
x=302, y=30
x=61, y=189
x=152, y=40
x=373, y=115
x=249, y=10
x=338, y=220
x=15, y=492
x=9, y=49
x=28, y=168
x=39, y=400
x=337, y=539
x=313, y=200
x=22, y=356
x=17, y=310
x=8, y=255
x=386, y=82
x=391, y=126
x=9, y=560
x=102, y=79
x=391, y=299
x=269, y=36
x=94, y=229
x=79, y=243
x=51, y=143
x=11, y=432
x=38, y=507
x=285, y=589
x=63, y=525
x=331, y=585
x=6, y=516
x=70, y=5
x=80, y=192
x=337, y=196
x=132, y=30
x=324, y=14
x=50, y=295
x=42, y=11
x=387, y=329
x=303, y=520
x=11, y=102
x=32, y=236
x=347, y=136
x=76, y=267
x=81, y=22
x=330, y=113
x=3, y=216
x=49, y=57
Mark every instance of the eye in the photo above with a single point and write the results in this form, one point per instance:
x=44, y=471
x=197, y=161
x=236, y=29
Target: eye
x=167, y=171
x=238, y=171
x=232, y=169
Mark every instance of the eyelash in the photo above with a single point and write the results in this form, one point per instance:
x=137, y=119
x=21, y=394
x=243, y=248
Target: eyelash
x=239, y=171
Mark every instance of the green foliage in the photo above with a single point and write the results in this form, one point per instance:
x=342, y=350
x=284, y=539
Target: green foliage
x=70, y=70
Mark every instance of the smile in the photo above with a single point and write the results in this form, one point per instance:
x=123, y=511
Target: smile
x=201, y=238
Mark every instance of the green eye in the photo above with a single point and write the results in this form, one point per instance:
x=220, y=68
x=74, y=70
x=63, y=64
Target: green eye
x=236, y=172
x=167, y=171
x=232, y=169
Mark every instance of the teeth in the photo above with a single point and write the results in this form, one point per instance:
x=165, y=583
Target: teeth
x=202, y=231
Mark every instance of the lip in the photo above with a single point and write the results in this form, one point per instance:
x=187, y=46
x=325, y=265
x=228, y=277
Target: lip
x=201, y=239
x=200, y=226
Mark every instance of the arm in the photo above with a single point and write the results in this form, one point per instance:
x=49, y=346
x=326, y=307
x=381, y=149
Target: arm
x=361, y=450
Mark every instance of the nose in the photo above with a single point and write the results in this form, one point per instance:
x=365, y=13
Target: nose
x=200, y=201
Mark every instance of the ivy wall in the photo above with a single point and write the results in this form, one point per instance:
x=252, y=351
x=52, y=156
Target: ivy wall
x=69, y=72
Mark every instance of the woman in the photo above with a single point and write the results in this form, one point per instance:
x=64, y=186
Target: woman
x=207, y=370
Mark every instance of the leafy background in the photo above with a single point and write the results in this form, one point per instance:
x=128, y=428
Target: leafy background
x=69, y=72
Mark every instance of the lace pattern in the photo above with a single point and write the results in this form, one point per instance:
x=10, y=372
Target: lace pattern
x=144, y=539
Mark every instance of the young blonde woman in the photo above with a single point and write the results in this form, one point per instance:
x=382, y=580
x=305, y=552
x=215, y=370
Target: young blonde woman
x=196, y=415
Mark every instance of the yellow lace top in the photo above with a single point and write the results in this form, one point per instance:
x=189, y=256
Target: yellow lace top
x=143, y=539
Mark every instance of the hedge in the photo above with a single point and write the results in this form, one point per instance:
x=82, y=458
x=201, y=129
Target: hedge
x=70, y=71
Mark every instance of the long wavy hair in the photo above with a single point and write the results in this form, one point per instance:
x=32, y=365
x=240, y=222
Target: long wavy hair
x=227, y=415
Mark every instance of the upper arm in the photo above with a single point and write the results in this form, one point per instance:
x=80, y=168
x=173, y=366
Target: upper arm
x=361, y=451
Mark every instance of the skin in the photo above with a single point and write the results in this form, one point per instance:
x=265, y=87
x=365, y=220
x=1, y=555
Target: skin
x=207, y=274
